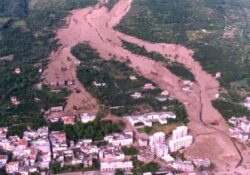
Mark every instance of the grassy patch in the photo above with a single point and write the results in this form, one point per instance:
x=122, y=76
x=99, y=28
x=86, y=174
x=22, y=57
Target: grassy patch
x=167, y=128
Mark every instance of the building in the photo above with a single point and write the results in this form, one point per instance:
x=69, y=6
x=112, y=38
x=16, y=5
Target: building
x=132, y=77
x=179, y=132
x=99, y=84
x=148, y=86
x=12, y=167
x=136, y=95
x=111, y=154
x=147, y=119
x=68, y=120
x=14, y=101
x=146, y=156
x=167, y=158
x=143, y=142
x=202, y=163
x=85, y=117
x=159, y=137
x=3, y=160
x=180, y=143
x=112, y=166
x=165, y=93
x=185, y=166
x=160, y=149
x=17, y=70
x=3, y=132
x=56, y=109
x=120, y=139
x=247, y=103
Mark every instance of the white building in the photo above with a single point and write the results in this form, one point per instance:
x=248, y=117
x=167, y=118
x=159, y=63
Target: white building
x=136, y=95
x=183, y=142
x=85, y=118
x=179, y=132
x=120, y=139
x=160, y=149
x=147, y=119
x=111, y=166
x=159, y=137
x=185, y=166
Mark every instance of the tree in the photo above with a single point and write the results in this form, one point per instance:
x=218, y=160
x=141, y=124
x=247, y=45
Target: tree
x=130, y=150
x=119, y=172
x=56, y=168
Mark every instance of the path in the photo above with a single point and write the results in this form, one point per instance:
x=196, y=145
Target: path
x=95, y=25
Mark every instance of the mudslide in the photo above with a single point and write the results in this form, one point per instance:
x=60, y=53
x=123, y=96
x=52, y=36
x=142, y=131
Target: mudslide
x=95, y=25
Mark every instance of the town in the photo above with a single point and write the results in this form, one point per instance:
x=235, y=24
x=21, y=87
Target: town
x=42, y=150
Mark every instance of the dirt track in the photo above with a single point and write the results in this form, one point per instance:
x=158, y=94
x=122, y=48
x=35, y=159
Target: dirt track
x=95, y=25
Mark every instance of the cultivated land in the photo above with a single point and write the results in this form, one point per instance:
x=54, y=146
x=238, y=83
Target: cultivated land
x=95, y=25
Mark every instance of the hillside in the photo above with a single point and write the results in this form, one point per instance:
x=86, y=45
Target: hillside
x=26, y=38
x=218, y=32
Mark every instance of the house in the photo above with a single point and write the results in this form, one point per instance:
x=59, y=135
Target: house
x=111, y=166
x=148, y=86
x=12, y=167
x=3, y=160
x=136, y=95
x=3, y=132
x=17, y=70
x=54, y=119
x=132, y=77
x=14, y=101
x=218, y=75
x=56, y=109
x=22, y=143
x=165, y=93
x=85, y=117
x=68, y=120
x=99, y=84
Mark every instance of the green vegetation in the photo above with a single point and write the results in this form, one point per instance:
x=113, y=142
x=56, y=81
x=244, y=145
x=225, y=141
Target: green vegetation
x=119, y=172
x=200, y=26
x=95, y=130
x=26, y=33
x=167, y=128
x=229, y=109
x=56, y=167
x=130, y=151
x=176, y=68
x=116, y=94
x=140, y=167
x=110, y=4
